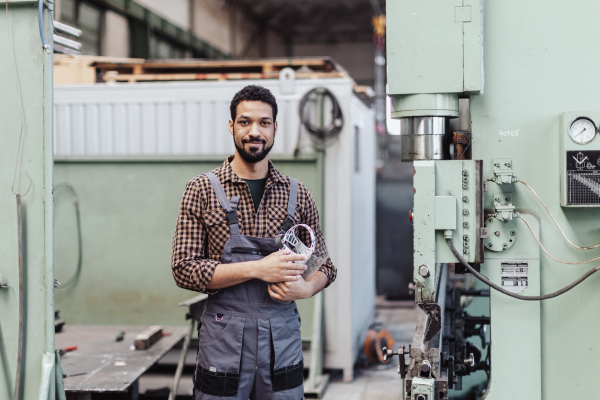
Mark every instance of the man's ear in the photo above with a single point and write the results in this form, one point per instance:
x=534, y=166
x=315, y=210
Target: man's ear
x=231, y=127
x=275, y=125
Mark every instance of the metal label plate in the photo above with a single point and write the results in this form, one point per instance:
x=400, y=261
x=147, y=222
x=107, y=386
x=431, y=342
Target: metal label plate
x=514, y=276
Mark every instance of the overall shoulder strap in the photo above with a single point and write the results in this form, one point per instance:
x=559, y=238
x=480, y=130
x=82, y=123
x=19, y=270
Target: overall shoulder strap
x=293, y=199
x=228, y=206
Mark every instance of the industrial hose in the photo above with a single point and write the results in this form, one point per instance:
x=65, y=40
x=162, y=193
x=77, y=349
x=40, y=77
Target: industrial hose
x=80, y=255
x=518, y=296
x=321, y=135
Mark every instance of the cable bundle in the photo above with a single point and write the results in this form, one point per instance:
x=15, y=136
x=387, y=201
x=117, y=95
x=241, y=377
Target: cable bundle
x=321, y=135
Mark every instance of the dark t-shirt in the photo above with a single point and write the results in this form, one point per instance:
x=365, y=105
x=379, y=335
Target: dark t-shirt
x=257, y=189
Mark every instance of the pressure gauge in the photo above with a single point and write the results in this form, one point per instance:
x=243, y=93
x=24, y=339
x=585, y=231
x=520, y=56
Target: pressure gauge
x=582, y=130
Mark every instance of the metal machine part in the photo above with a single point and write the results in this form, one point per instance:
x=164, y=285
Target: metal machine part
x=524, y=131
x=424, y=138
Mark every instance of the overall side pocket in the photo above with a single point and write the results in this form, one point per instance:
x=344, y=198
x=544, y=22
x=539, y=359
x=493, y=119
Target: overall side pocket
x=287, y=363
x=219, y=358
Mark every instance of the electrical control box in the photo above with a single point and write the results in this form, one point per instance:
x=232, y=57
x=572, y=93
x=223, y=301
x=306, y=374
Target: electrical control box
x=579, y=159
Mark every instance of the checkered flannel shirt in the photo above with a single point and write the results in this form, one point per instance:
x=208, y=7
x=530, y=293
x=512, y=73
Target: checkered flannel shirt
x=202, y=230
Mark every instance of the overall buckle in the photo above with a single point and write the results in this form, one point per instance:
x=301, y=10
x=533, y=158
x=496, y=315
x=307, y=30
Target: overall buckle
x=231, y=217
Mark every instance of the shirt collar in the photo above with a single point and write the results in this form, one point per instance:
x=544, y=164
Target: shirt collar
x=227, y=173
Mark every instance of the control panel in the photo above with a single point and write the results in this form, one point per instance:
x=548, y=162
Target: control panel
x=580, y=159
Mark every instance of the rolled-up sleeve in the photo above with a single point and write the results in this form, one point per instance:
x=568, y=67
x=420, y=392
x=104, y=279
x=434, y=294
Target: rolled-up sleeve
x=310, y=217
x=191, y=269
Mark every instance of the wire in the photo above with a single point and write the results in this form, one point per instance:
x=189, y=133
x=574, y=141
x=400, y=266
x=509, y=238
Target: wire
x=80, y=254
x=511, y=294
x=550, y=255
x=19, y=104
x=556, y=222
x=321, y=134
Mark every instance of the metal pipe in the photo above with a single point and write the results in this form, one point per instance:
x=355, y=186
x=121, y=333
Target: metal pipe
x=181, y=364
x=17, y=391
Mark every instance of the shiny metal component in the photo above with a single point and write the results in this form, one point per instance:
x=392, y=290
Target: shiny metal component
x=423, y=138
x=469, y=362
x=424, y=271
x=426, y=367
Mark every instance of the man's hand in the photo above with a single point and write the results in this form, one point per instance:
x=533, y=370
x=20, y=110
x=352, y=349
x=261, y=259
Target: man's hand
x=279, y=267
x=288, y=291
x=300, y=289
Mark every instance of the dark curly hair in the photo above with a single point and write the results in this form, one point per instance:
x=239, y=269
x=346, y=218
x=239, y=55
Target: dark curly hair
x=253, y=93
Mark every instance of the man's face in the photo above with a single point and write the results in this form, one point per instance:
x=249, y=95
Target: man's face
x=253, y=130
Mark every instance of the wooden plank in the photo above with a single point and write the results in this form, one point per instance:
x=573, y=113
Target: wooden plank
x=109, y=366
x=266, y=65
x=147, y=338
x=214, y=76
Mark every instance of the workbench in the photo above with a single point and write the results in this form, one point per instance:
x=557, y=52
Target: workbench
x=102, y=365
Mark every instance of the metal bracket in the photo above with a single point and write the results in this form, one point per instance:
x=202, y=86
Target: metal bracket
x=503, y=173
x=505, y=210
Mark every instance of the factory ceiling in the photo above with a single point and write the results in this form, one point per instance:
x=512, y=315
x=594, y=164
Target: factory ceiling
x=315, y=21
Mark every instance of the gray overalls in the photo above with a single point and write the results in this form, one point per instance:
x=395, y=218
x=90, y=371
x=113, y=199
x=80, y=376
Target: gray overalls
x=249, y=344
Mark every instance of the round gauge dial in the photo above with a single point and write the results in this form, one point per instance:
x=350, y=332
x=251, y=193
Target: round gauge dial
x=582, y=130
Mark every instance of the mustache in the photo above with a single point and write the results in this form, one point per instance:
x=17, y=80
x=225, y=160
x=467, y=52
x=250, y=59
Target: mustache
x=255, y=140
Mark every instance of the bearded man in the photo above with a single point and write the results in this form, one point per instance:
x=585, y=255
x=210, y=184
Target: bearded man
x=224, y=245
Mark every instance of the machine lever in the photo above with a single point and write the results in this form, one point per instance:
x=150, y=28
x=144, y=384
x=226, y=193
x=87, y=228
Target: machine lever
x=388, y=353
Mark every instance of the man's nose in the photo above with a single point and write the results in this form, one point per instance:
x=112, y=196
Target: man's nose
x=254, y=130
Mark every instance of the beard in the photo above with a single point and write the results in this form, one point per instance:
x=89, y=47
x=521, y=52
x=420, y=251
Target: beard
x=253, y=156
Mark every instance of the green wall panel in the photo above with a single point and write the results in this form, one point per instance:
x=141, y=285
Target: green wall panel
x=128, y=213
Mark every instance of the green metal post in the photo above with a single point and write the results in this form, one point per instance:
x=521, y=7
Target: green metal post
x=26, y=159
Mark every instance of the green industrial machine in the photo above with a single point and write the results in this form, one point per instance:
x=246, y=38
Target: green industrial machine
x=27, y=355
x=499, y=110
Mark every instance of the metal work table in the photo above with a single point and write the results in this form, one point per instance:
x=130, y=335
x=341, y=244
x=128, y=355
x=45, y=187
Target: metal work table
x=109, y=366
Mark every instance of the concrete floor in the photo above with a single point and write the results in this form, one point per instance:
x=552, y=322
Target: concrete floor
x=370, y=383
x=380, y=382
